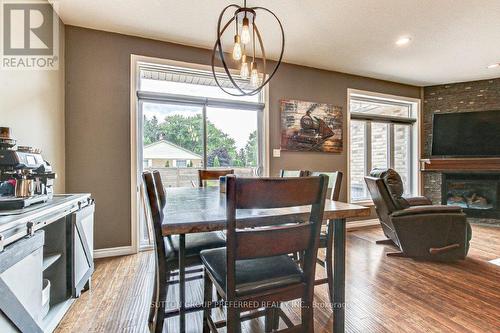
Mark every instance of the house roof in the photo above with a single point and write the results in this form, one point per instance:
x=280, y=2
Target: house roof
x=167, y=150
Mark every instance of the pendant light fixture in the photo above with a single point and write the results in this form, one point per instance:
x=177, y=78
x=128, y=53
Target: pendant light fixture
x=246, y=39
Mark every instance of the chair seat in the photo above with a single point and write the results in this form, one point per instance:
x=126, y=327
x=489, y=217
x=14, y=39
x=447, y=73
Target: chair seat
x=253, y=275
x=195, y=243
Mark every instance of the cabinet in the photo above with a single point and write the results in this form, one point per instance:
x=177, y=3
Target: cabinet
x=44, y=251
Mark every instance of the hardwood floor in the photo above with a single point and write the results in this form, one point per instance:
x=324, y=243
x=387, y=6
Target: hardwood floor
x=383, y=294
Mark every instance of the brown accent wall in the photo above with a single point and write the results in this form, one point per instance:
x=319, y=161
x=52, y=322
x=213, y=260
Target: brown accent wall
x=98, y=117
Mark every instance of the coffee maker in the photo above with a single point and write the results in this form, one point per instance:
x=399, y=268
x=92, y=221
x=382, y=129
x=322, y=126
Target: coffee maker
x=25, y=177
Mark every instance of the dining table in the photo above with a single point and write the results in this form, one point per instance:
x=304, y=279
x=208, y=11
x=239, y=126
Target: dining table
x=203, y=209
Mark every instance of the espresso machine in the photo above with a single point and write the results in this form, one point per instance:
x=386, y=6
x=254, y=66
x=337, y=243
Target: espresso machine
x=25, y=177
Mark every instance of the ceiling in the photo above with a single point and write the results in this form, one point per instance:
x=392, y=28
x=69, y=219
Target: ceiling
x=451, y=40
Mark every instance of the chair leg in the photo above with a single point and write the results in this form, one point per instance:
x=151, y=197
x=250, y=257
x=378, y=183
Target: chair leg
x=207, y=299
x=276, y=318
x=268, y=326
x=307, y=316
x=396, y=254
x=161, y=302
x=233, y=324
x=329, y=260
x=154, y=302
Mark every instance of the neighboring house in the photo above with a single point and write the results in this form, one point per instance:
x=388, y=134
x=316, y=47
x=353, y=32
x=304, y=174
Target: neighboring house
x=163, y=153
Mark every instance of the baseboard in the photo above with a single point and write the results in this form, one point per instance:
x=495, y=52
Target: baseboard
x=360, y=224
x=113, y=252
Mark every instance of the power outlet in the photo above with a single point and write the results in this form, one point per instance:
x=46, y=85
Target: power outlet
x=276, y=152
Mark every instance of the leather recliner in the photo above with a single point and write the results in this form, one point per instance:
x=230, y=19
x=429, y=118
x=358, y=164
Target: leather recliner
x=418, y=228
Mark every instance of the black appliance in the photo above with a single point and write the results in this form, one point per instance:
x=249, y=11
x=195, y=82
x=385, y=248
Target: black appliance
x=466, y=134
x=25, y=178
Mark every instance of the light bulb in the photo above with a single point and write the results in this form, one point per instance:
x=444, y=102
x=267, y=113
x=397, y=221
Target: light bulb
x=254, y=77
x=237, y=48
x=245, y=31
x=244, y=71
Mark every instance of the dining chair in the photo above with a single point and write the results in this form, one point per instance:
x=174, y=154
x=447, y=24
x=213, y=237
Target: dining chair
x=254, y=271
x=326, y=236
x=204, y=175
x=167, y=250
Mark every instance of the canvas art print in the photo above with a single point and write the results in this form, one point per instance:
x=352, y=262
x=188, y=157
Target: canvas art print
x=308, y=126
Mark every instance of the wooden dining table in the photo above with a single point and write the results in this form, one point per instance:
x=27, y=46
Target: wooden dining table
x=194, y=210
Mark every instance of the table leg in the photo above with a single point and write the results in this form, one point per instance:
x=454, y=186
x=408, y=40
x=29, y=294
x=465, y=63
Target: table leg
x=339, y=276
x=182, y=283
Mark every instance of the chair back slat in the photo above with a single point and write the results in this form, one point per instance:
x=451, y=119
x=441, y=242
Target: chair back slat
x=264, y=193
x=277, y=192
x=334, y=183
x=160, y=190
x=293, y=238
x=204, y=175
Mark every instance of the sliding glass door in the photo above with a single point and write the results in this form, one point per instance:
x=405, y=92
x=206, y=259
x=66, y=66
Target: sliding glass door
x=186, y=123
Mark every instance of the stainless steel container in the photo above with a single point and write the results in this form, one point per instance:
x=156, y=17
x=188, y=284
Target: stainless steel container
x=24, y=188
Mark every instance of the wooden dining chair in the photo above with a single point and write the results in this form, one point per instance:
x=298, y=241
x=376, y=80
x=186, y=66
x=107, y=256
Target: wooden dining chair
x=254, y=271
x=204, y=175
x=326, y=236
x=167, y=250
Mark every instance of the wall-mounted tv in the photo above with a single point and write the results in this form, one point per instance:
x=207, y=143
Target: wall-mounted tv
x=466, y=134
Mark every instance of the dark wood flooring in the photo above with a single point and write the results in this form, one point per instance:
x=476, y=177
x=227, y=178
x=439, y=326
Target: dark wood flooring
x=383, y=294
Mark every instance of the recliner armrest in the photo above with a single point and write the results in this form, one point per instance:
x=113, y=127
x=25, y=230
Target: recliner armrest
x=418, y=201
x=428, y=209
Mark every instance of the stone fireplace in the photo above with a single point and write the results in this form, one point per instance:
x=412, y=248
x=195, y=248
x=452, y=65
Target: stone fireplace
x=472, y=183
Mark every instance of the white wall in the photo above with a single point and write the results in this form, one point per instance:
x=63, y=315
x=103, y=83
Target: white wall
x=32, y=105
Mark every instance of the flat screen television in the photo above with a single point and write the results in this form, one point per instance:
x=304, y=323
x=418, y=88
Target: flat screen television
x=466, y=134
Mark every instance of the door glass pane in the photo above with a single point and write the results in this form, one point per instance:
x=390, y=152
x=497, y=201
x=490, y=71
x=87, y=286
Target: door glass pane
x=380, y=135
x=233, y=140
x=358, y=160
x=173, y=142
x=402, y=154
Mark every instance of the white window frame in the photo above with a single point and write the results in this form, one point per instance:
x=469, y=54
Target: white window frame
x=136, y=159
x=415, y=175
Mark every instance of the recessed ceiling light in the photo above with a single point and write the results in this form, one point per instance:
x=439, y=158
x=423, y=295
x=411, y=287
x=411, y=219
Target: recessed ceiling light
x=494, y=65
x=403, y=41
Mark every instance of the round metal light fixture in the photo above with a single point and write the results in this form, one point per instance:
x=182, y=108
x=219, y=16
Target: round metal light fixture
x=246, y=39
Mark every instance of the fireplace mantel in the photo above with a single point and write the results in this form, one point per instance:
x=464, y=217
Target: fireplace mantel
x=486, y=164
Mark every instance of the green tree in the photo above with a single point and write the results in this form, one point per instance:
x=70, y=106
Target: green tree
x=251, y=150
x=187, y=132
x=151, y=130
x=215, y=162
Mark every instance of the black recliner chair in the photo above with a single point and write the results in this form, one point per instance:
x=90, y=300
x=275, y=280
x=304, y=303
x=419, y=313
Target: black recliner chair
x=418, y=228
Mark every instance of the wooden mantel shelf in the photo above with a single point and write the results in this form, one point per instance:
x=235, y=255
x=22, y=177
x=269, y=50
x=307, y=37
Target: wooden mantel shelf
x=460, y=164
